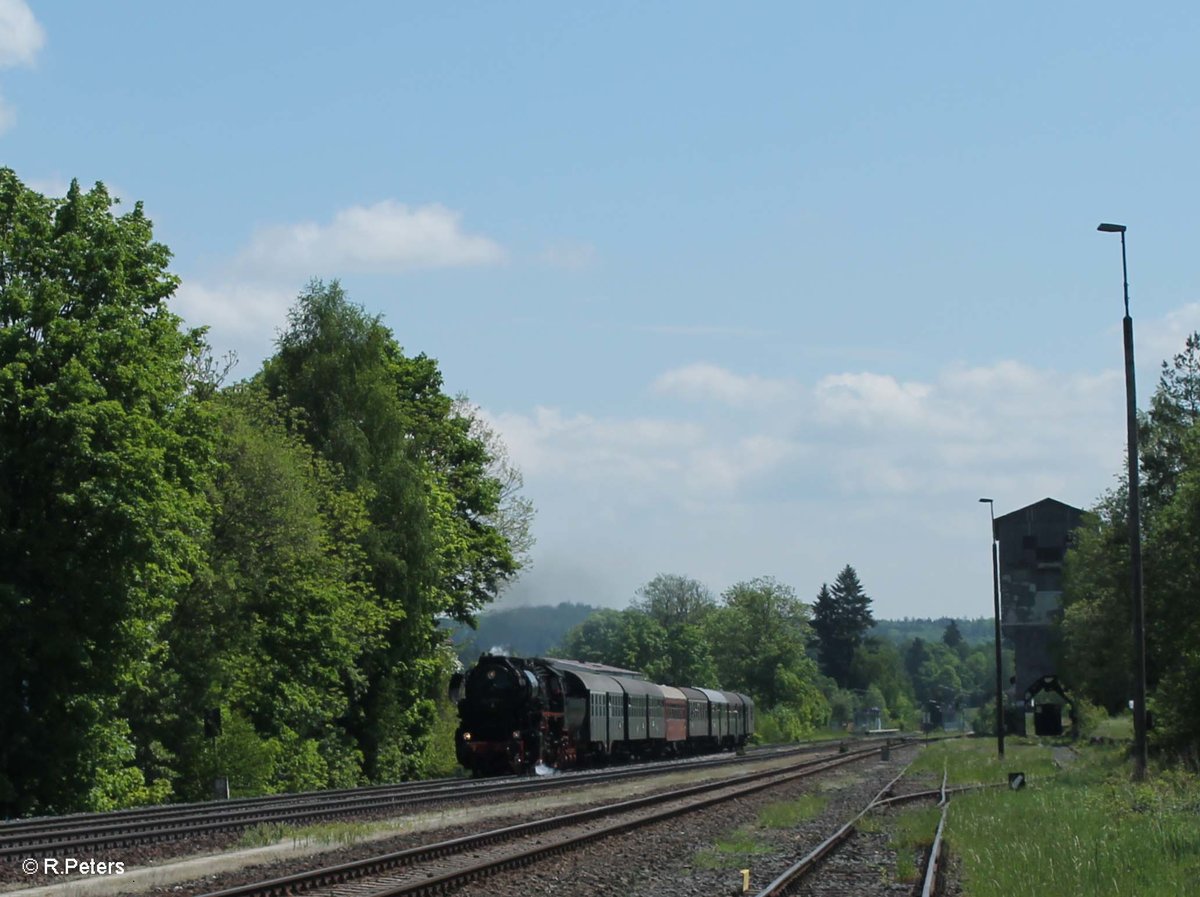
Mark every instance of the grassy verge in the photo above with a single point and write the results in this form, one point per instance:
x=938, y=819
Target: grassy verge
x=1084, y=832
x=970, y=761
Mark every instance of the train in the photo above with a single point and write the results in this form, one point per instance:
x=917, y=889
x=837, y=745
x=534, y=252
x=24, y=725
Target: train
x=524, y=715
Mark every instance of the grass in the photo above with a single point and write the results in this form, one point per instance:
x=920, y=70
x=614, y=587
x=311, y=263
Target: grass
x=911, y=830
x=1118, y=727
x=970, y=761
x=735, y=850
x=1087, y=832
x=789, y=814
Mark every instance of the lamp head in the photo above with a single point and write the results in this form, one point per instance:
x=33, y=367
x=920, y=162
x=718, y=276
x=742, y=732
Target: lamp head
x=988, y=500
x=1111, y=228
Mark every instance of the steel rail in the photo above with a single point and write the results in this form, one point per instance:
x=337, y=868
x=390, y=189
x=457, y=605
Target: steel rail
x=929, y=888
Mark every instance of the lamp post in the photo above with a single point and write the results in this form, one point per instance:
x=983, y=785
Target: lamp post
x=996, y=608
x=1135, y=531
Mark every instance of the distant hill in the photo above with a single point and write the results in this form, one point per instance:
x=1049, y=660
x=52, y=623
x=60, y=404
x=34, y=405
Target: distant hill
x=903, y=631
x=521, y=631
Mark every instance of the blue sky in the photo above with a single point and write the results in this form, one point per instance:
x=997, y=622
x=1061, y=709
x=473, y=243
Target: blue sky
x=747, y=291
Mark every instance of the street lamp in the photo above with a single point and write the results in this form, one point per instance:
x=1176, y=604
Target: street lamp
x=996, y=607
x=1135, y=531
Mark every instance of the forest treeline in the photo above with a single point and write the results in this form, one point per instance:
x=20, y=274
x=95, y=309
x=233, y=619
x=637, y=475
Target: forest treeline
x=808, y=665
x=269, y=557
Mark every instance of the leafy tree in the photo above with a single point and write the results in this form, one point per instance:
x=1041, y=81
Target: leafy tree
x=432, y=546
x=104, y=455
x=624, y=638
x=1096, y=624
x=680, y=606
x=841, y=619
x=770, y=627
x=878, y=664
x=674, y=600
x=1096, y=644
x=1174, y=410
x=274, y=631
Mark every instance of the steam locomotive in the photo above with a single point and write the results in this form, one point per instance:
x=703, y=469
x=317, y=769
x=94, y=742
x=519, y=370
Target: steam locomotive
x=520, y=715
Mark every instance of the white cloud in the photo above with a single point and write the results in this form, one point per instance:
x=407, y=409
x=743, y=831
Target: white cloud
x=1161, y=339
x=635, y=452
x=245, y=302
x=969, y=427
x=387, y=237
x=20, y=39
x=710, y=382
x=863, y=467
x=20, y=34
x=873, y=400
x=234, y=307
x=51, y=186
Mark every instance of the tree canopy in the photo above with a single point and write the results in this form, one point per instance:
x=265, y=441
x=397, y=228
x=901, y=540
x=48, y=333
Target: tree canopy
x=105, y=454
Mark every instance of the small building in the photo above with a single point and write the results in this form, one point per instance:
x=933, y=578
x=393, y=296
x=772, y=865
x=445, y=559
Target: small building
x=1033, y=543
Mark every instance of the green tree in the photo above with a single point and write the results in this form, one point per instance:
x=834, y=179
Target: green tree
x=625, y=638
x=1174, y=410
x=433, y=547
x=878, y=664
x=274, y=630
x=841, y=619
x=680, y=606
x=770, y=627
x=953, y=639
x=105, y=451
x=1096, y=644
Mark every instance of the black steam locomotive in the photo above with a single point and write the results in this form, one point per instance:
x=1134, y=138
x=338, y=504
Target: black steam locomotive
x=519, y=715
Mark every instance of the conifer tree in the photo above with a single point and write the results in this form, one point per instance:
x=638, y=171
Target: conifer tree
x=841, y=618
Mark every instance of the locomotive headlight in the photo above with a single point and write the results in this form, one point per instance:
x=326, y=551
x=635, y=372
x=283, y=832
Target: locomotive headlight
x=466, y=736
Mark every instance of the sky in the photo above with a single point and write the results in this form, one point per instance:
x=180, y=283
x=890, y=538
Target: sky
x=747, y=289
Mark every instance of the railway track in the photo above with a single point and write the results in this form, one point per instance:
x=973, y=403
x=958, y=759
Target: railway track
x=809, y=865
x=439, y=867
x=62, y=836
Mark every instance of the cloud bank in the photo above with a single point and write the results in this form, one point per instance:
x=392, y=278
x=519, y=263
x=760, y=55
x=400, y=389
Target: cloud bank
x=745, y=475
